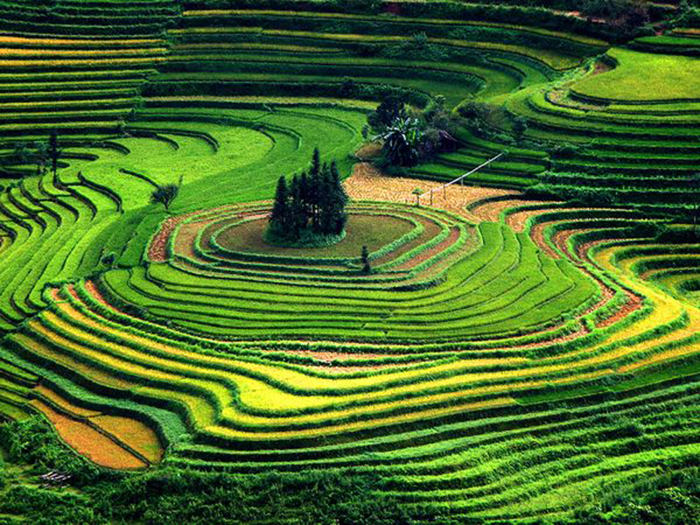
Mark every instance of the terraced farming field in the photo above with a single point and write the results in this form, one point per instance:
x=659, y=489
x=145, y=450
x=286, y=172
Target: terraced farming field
x=519, y=346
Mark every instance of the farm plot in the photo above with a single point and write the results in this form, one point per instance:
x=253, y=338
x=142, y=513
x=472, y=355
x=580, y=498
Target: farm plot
x=512, y=355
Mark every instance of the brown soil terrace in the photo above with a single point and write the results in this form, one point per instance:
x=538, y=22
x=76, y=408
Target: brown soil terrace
x=431, y=252
x=537, y=234
x=368, y=183
x=157, y=250
x=634, y=302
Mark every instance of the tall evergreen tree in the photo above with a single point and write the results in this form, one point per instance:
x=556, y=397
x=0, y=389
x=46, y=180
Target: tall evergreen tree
x=280, y=209
x=339, y=200
x=297, y=212
x=314, y=187
x=326, y=201
x=305, y=193
x=315, y=169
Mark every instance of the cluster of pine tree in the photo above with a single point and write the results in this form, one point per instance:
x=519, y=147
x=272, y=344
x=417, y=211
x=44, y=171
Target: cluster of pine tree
x=311, y=206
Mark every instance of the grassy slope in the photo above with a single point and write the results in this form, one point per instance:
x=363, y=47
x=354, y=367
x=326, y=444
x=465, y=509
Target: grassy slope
x=640, y=77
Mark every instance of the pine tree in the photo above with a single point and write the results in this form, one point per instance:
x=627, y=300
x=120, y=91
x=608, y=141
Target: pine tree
x=325, y=202
x=315, y=163
x=297, y=213
x=339, y=199
x=280, y=210
x=314, y=184
x=305, y=193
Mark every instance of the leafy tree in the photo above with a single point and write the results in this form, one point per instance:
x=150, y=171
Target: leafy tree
x=388, y=111
x=21, y=153
x=165, y=194
x=417, y=192
x=348, y=88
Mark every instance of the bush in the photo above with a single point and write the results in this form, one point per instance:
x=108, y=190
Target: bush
x=33, y=441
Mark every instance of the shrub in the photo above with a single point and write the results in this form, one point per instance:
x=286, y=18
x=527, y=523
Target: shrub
x=32, y=441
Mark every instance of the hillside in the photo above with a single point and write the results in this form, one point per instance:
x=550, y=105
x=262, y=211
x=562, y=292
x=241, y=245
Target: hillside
x=524, y=349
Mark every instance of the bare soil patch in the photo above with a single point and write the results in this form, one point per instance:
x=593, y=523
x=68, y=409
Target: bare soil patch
x=368, y=183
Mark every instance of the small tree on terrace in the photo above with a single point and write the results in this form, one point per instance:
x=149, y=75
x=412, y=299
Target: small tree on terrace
x=42, y=156
x=54, y=152
x=165, y=195
x=366, y=265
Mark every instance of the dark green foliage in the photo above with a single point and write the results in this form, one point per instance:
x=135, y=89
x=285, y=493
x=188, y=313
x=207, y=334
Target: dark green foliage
x=409, y=140
x=401, y=142
x=165, y=195
x=366, y=266
x=314, y=205
x=174, y=496
x=109, y=259
x=32, y=441
x=519, y=128
x=280, y=209
x=41, y=156
x=417, y=48
x=672, y=499
x=54, y=152
x=625, y=15
x=390, y=109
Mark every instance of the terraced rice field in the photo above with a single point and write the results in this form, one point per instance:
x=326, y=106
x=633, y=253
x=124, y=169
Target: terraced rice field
x=520, y=349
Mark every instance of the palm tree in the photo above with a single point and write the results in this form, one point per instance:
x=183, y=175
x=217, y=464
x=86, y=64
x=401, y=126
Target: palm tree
x=401, y=141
